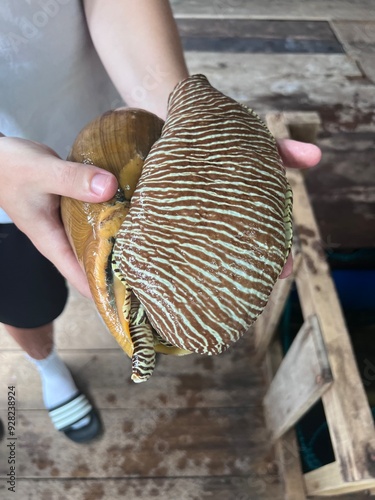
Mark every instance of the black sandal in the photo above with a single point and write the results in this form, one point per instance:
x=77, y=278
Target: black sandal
x=72, y=411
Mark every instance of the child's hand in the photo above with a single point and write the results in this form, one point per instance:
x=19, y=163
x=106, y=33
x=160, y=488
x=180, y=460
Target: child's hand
x=297, y=155
x=32, y=178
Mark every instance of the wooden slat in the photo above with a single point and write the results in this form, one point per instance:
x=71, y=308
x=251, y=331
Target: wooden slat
x=303, y=126
x=366, y=62
x=249, y=28
x=259, y=45
x=266, y=324
x=195, y=488
x=342, y=187
x=327, y=481
x=358, y=39
x=146, y=443
x=290, y=468
x=287, y=451
x=282, y=9
x=346, y=407
x=257, y=36
x=304, y=375
x=277, y=124
x=299, y=125
x=228, y=380
x=347, y=410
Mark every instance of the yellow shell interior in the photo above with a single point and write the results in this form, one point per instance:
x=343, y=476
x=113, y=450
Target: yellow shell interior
x=119, y=142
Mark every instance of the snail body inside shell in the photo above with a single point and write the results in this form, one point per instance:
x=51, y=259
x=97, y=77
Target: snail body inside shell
x=119, y=142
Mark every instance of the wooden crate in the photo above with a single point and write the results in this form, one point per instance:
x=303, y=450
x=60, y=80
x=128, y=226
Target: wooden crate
x=320, y=363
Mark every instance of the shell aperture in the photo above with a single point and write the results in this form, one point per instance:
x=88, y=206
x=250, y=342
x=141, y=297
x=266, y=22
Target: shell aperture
x=117, y=141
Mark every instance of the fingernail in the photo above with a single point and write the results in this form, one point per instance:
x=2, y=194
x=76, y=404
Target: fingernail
x=99, y=183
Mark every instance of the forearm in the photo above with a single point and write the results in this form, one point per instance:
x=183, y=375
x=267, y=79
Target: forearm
x=139, y=45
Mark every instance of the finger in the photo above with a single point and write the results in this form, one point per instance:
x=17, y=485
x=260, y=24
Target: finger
x=80, y=181
x=297, y=154
x=57, y=249
x=288, y=268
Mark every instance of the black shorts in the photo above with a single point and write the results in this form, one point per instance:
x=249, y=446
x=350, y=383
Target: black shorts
x=32, y=291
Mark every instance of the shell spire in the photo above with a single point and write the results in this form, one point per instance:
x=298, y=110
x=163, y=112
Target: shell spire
x=209, y=227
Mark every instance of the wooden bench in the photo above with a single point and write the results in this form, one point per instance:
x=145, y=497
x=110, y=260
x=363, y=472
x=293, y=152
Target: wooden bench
x=320, y=363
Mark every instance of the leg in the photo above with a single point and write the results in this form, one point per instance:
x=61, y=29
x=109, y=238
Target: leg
x=36, y=342
x=57, y=382
x=58, y=386
x=32, y=295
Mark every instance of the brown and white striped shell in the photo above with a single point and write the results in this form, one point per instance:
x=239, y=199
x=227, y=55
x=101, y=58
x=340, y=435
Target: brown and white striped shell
x=209, y=227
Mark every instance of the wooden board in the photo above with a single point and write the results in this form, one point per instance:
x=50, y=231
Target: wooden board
x=286, y=449
x=358, y=39
x=228, y=380
x=147, y=443
x=303, y=376
x=246, y=488
x=266, y=324
x=327, y=481
x=282, y=9
x=342, y=189
x=254, y=36
x=348, y=414
x=345, y=403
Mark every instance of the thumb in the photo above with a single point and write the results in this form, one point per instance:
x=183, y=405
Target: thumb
x=80, y=181
x=297, y=154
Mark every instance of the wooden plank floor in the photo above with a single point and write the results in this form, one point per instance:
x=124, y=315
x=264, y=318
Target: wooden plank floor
x=277, y=9
x=195, y=431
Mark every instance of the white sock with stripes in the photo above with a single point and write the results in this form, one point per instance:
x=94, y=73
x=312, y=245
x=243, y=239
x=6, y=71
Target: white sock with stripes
x=57, y=383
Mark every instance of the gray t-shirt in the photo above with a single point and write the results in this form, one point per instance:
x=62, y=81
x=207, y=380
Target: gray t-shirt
x=51, y=79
